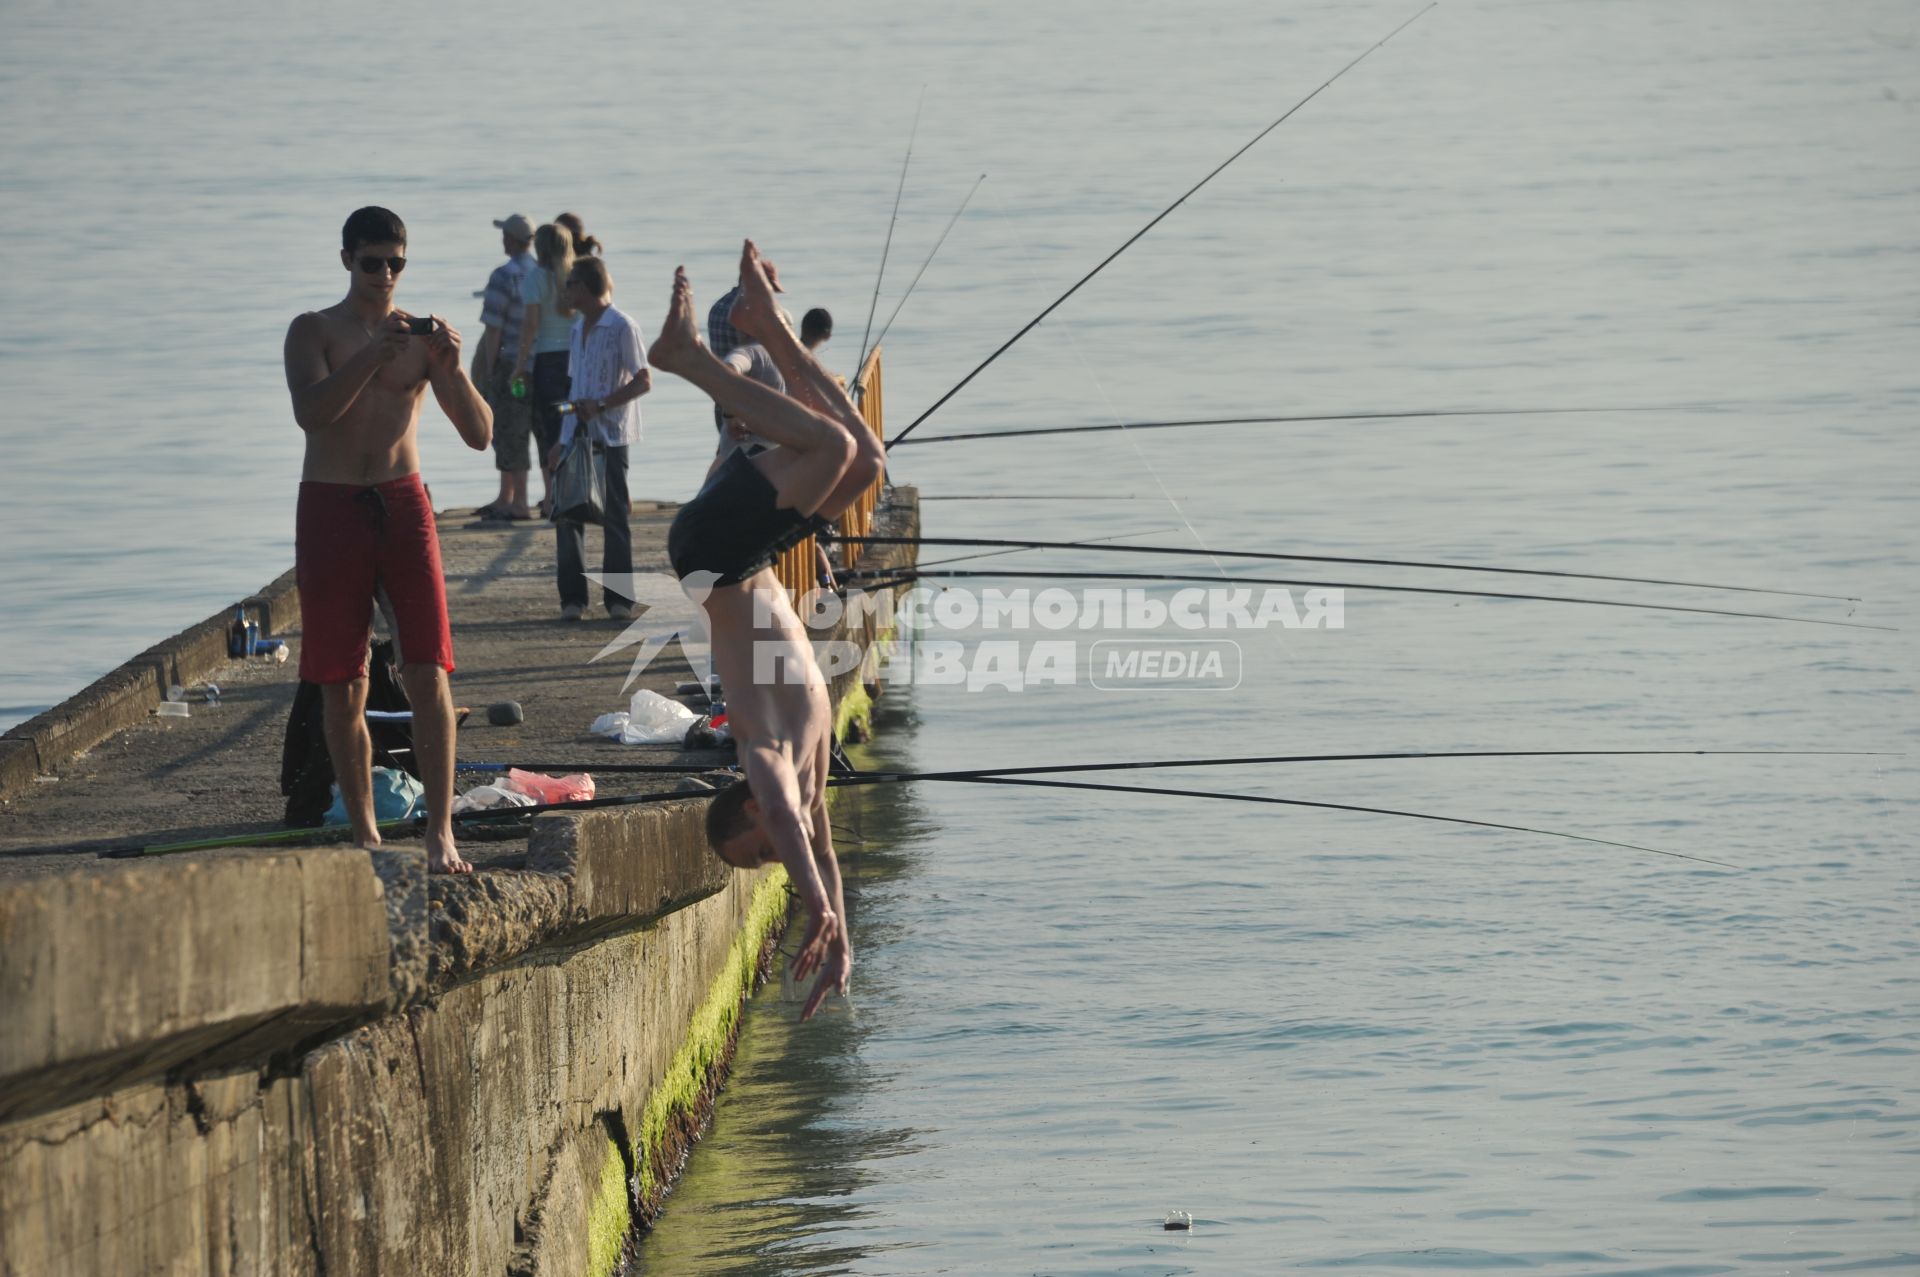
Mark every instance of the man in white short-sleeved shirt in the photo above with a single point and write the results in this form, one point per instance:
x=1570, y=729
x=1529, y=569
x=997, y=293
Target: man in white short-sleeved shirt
x=607, y=365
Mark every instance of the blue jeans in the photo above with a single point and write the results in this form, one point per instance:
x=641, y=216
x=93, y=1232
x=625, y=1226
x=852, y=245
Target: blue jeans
x=571, y=539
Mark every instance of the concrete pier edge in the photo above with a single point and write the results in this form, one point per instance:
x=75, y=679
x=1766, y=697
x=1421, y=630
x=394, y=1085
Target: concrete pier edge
x=320, y=1060
x=127, y=694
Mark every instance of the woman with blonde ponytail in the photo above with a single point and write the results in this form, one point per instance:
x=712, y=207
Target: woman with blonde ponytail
x=545, y=329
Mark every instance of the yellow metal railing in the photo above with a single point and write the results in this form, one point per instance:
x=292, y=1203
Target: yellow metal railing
x=795, y=569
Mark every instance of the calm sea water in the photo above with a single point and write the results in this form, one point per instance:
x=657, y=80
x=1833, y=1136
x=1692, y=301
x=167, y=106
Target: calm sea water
x=1341, y=1041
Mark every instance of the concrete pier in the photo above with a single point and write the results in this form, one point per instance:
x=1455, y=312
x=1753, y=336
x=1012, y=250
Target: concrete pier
x=321, y=1060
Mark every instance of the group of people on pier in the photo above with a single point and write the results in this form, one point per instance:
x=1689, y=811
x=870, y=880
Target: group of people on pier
x=556, y=357
x=794, y=454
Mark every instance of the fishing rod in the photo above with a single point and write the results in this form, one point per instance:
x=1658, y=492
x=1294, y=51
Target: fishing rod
x=1302, y=802
x=888, y=326
x=1131, y=240
x=1234, y=760
x=906, y=577
x=1244, y=760
x=1036, y=496
x=340, y=833
x=995, y=554
x=886, y=248
x=1004, y=775
x=1293, y=420
x=680, y=769
x=266, y=838
x=1266, y=556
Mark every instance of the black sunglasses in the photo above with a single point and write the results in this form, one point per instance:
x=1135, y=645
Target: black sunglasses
x=371, y=265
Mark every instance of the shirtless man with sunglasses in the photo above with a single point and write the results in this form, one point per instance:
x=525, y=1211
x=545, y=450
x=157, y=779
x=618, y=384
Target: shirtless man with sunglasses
x=358, y=371
x=722, y=544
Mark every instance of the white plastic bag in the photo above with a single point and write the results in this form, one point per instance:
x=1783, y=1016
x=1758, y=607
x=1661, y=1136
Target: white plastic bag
x=650, y=719
x=653, y=719
x=612, y=725
x=482, y=797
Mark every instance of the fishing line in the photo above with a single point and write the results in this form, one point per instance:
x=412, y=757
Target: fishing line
x=1106, y=398
x=993, y=554
x=1287, y=420
x=1055, y=304
x=888, y=246
x=1302, y=802
x=1270, y=556
x=888, y=326
x=1387, y=589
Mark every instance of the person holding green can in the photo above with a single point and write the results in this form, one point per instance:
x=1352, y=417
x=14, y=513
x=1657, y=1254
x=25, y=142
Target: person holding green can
x=493, y=362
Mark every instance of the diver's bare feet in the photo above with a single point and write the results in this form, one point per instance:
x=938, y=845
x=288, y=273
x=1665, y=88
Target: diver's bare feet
x=368, y=840
x=443, y=857
x=754, y=312
x=678, y=345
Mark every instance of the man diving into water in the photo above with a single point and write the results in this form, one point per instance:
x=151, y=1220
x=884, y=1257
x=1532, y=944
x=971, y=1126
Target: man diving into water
x=750, y=510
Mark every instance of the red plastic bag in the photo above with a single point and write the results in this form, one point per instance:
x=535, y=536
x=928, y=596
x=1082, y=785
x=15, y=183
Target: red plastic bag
x=550, y=789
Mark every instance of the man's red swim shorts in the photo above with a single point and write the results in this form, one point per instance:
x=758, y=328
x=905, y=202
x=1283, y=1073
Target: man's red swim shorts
x=349, y=541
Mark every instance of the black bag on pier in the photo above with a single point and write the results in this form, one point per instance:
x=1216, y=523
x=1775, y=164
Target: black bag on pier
x=306, y=773
x=580, y=483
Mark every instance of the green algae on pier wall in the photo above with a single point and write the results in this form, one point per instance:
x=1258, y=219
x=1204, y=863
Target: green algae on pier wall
x=675, y=1107
x=853, y=715
x=608, y=1217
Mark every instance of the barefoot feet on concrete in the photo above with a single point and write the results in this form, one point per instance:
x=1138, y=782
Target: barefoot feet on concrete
x=443, y=857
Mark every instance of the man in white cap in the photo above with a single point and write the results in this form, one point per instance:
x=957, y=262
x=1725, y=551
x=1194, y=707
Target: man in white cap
x=493, y=369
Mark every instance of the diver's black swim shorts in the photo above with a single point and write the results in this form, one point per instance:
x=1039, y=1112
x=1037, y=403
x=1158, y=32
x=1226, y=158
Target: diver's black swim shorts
x=733, y=527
